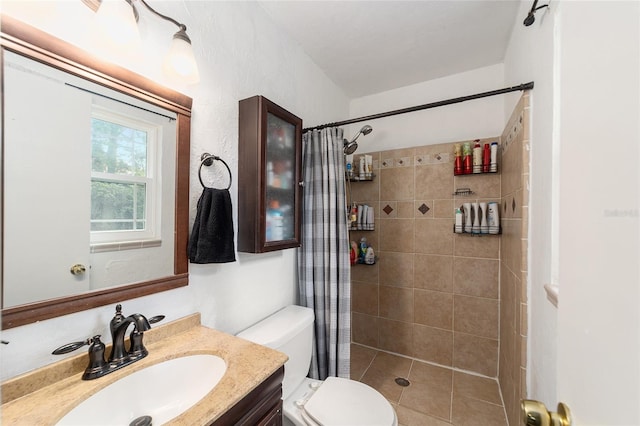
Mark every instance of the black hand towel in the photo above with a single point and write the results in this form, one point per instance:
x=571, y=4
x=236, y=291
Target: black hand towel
x=211, y=239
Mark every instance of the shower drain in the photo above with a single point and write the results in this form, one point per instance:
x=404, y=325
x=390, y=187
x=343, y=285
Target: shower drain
x=402, y=382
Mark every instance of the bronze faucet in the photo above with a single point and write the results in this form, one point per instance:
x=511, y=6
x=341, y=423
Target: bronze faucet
x=120, y=356
x=118, y=326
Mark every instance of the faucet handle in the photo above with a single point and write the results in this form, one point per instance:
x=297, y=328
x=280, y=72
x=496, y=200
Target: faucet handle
x=156, y=319
x=70, y=347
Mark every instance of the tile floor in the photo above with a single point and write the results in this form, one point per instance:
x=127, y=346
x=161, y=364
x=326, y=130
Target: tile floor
x=436, y=396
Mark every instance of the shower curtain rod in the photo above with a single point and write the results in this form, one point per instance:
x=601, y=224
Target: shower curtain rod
x=524, y=86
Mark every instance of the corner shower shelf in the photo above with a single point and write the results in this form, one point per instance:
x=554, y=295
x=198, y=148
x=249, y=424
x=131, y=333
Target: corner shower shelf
x=356, y=178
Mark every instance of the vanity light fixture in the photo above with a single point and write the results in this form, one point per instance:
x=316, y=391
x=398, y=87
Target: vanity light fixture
x=119, y=21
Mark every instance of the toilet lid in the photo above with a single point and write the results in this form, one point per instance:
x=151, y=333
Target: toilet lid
x=347, y=402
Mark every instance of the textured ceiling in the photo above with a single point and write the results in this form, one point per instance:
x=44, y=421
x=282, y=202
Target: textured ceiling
x=368, y=47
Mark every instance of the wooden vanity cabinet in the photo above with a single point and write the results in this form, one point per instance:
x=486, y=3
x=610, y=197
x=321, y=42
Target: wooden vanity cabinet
x=269, y=176
x=261, y=407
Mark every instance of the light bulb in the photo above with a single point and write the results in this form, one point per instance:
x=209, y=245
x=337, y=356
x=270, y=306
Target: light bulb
x=117, y=22
x=180, y=62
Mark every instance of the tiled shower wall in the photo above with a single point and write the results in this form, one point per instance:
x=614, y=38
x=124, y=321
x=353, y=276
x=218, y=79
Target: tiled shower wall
x=513, y=260
x=455, y=300
x=433, y=295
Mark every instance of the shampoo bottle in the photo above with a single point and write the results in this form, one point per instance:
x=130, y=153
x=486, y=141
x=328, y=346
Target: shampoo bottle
x=493, y=218
x=457, y=165
x=458, y=227
x=484, y=227
x=467, y=217
x=466, y=158
x=475, y=228
x=477, y=157
x=493, y=166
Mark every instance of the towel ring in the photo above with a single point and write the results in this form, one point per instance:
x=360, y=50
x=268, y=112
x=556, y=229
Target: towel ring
x=207, y=160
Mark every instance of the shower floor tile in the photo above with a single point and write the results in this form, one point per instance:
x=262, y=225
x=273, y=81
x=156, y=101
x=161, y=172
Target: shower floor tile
x=436, y=396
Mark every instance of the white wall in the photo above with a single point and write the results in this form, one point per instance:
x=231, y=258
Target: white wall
x=530, y=57
x=598, y=319
x=240, y=54
x=584, y=58
x=477, y=119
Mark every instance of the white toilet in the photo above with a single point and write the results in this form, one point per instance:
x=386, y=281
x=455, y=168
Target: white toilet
x=307, y=402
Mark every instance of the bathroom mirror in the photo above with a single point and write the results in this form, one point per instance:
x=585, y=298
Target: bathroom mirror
x=67, y=245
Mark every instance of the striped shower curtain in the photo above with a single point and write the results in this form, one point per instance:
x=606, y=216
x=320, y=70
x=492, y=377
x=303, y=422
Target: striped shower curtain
x=324, y=273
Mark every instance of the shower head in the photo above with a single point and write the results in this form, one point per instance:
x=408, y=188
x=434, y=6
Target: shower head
x=351, y=146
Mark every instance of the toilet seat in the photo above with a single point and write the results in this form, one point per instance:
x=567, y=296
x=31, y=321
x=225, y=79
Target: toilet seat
x=341, y=401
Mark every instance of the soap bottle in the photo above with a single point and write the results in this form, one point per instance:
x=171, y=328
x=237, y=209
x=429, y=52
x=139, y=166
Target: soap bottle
x=484, y=227
x=363, y=249
x=486, y=158
x=370, y=257
x=467, y=217
x=477, y=157
x=493, y=165
x=457, y=165
x=466, y=158
x=493, y=218
x=353, y=253
x=458, y=226
x=475, y=228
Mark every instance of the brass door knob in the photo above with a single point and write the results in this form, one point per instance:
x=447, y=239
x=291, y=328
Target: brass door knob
x=535, y=413
x=77, y=269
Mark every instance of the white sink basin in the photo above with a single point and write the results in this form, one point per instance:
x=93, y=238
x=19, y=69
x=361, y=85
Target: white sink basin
x=162, y=391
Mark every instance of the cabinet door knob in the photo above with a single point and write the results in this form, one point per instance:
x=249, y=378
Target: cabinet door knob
x=300, y=183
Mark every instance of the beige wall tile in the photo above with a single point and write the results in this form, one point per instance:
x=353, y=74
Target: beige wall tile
x=434, y=181
x=406, y=209
x=434, y=308
x=397, y=183
x=396, y=336
x=434, y=236
x=364, y=191
x=486, y=246
x=433, y=344
x=364, y=298
x=443, y=209
x=364, y=329
x=512, y=244
x=483, y=186
x=476, y=277
x=396, y=235
x=367, y=274
x=476, y=315
x=433, y=272
x=396, y=303
x=396, y=269
x=476, y=354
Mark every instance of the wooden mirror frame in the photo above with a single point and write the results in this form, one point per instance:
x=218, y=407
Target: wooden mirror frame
x=35, y=44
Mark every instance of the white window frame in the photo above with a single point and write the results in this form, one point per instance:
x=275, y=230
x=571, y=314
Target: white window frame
x=153, y=197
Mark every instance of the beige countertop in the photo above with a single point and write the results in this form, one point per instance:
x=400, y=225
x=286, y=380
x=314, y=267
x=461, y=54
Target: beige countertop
x=44, y=396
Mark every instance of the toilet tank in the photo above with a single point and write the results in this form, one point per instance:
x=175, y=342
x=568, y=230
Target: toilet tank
x=289, y=330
